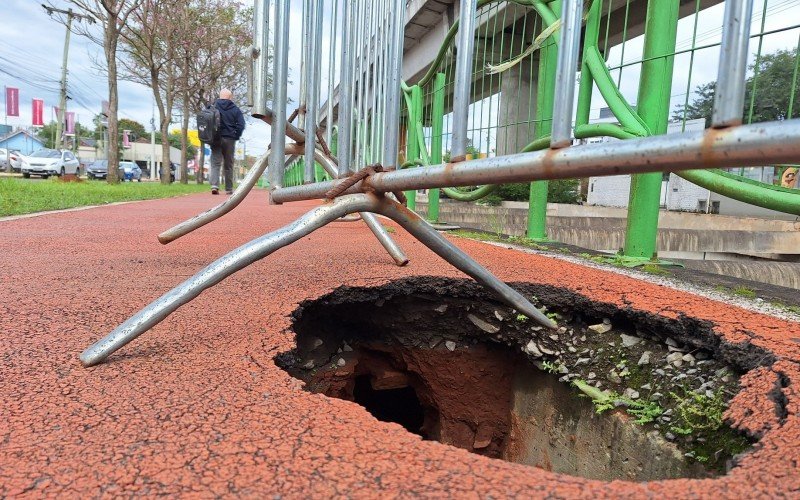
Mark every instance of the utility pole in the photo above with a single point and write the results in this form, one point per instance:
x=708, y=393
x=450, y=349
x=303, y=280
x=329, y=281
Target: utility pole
x=62, y=109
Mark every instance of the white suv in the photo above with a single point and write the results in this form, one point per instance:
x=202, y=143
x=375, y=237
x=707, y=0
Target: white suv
x=47, y=162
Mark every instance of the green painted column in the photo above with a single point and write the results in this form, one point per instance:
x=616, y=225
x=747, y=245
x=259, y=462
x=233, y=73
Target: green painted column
x=545, y=93
x=437, y=119
x=412, y=142
x=655, y=86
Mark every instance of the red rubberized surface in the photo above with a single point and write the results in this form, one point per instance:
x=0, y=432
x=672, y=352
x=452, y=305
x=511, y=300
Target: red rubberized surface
x=197, y=407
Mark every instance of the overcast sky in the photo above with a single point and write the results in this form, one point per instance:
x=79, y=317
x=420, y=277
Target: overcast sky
x=32, y=47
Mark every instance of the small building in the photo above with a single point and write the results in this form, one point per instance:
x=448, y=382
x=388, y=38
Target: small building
x=22, y=141
x=88, y=150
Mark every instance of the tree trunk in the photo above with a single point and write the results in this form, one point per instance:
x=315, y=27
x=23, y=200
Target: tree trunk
x=166, y=114
x=201, y=163
x=165, y=150
x=185, y=141
x=185, y=124
x=111, y=38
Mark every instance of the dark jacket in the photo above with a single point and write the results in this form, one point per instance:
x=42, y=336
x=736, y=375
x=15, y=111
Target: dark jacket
x=231, y=117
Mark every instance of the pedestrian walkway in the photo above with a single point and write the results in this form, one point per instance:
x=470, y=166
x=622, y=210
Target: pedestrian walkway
x=196, y=406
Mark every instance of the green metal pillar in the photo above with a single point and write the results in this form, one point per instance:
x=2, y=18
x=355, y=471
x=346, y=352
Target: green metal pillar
x=437, y=125
x=545, y=93
x=655, y=87
x=412, y=142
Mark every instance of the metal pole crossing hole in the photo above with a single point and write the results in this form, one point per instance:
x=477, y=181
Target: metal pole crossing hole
x=261, y=247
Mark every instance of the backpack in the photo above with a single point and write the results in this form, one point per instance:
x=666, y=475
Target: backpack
x=208, y=124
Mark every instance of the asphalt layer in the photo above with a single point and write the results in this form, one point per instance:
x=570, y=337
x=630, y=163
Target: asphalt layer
x=197, y=407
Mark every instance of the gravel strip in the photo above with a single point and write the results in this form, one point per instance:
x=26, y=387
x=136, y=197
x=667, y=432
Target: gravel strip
x=755, y=305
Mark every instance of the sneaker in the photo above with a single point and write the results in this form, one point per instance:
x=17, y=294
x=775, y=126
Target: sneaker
x=229, y=192
x=214, y=190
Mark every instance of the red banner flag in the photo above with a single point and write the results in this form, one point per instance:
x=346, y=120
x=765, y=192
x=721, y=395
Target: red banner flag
x=12, y=101
x=70, y=123
x=126, y=140
x=38, y=113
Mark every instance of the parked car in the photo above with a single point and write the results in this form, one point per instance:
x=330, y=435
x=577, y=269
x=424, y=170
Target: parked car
x=16, y=158
x=47, y=162
x=98, y=169
x=3, y=158
x=129, y=171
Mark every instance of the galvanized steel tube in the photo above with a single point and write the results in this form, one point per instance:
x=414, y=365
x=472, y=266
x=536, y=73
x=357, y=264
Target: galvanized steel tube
x=223, y=208
x=220, y=269
x=395, y=67
x=729, y=95
x=745, y=145
x=305, y=45
x=432, y=239
x=279, y=78
x=312, y=90
x=463, y=75
x=358, y=82
x=332, y=37
x=566, y=68
x=259, y=248
x=260, y=58
x=346, y=92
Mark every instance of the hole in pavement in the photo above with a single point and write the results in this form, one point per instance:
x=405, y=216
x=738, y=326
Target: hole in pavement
x=399, y=405
x=612, y=394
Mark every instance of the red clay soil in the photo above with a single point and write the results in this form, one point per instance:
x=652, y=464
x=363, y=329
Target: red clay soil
x=197, y=407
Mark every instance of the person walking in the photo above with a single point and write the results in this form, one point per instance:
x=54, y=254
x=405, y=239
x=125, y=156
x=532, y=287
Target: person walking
x=230, y=130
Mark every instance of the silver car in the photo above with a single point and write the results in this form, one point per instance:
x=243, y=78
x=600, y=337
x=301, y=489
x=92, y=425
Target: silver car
x=16, y=159
x=47, y=162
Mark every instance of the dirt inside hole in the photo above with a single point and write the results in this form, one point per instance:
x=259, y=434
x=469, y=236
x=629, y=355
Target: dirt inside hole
x=612, y=394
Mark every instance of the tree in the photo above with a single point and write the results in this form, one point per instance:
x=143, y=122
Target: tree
x=112, y=15
x=767, y=94
x=47, y=135
x=700, y=107
x=219, y=29
x=149, y=42
x=184, y=51
x=135, y=127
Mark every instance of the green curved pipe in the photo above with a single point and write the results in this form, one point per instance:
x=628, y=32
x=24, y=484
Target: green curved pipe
x=718, y=181
x=745, y=190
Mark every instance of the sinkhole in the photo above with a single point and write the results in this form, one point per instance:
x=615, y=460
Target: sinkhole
x=612, y=394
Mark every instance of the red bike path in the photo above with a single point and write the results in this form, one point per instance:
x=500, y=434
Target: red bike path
x=196, y=407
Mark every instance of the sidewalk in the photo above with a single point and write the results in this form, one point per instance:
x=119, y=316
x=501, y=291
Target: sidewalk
x=196, y=406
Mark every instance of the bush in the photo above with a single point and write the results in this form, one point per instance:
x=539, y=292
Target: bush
x=558, y=191
x=563, y=191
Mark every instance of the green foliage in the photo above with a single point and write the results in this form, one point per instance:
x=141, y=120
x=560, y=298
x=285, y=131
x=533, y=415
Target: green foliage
x=698, y=412
x=18, y=196
x=493, y=200
x=175, y=141
x=743, y=291
x=519, y=191
x=563, y=191
x=47, y=134
x=700, y=107
x=558, y=191
x=522, y=318
x=654, y=269
x=137, y=129
x=550, y=367
x=644, y=410
x=772, y=91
